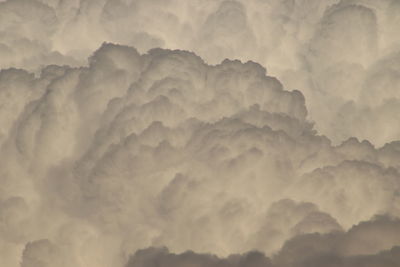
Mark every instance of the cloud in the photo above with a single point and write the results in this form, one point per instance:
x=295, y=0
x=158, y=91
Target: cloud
x=367, y=244
x=335, y=52
x=40, y=253
x=303, y=250
x=232, y=126
x=164, y=150
x=162, y=257
x=286, y=218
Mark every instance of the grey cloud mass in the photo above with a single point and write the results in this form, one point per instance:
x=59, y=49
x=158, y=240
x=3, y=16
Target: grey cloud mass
x=199, y=133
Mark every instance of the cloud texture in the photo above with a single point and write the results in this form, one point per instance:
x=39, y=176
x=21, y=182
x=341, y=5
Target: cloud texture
x=136, y=158
x=162, y=149
x=342, y=54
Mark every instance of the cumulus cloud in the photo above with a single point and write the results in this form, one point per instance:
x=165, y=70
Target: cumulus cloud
x=162, y=257
x=304, y=250
x=341, y=54
x=199, y=133
x=164, y=150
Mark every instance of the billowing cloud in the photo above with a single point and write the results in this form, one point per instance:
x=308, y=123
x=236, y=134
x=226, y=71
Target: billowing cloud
x=199, y=133
x=334, y=249
x=163, y=150
x=340, y=54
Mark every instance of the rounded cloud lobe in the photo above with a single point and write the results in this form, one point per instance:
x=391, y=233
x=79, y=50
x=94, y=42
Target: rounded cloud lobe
x=160, y=158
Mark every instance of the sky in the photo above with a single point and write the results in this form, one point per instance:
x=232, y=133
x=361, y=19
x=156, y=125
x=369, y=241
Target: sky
x=175, y=133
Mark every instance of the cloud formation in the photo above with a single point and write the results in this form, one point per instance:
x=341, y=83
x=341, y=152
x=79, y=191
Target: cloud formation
x=341, y=54
x=199, y=133
x=163, y=150
x=357, y=247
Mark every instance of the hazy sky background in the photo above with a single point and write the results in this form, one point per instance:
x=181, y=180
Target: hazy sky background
x=268, y=138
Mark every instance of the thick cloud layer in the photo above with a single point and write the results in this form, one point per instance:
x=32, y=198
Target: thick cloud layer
x=163, y=150
x=145, y=156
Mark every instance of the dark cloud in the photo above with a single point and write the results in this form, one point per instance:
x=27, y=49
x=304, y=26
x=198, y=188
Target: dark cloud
x=303, y=250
